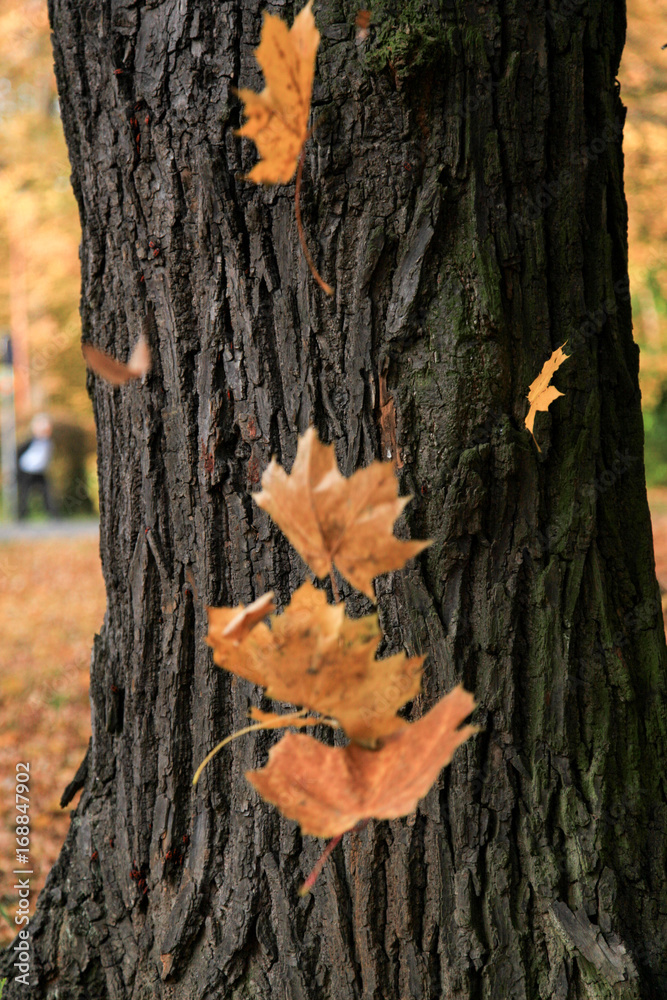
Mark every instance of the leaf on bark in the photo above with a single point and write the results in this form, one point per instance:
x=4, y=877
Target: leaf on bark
x=327, y=790
x=331, y=520
x=245, y=620
x=277, y=119
x=138, y=365
x=540, y=393
x=315, y=656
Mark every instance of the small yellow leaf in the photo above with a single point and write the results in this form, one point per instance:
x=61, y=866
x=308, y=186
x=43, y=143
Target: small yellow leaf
x=540, y=394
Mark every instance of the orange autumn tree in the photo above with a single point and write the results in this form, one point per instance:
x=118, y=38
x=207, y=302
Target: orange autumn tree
x=314, y=656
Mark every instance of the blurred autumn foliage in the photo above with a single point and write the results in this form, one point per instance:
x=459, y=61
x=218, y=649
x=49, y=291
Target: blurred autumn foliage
x=644, y=90
x=643, y=77
x=51, y=604
x=39, y=243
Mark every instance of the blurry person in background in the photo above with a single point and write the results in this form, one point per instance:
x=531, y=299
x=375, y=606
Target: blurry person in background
x=34, y=458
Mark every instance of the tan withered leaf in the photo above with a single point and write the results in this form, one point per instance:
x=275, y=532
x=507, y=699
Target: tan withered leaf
x=327, y=790
x=277, y=119
x=315, y=656
x=540, y=393
x=331, y=520
x=116, y=372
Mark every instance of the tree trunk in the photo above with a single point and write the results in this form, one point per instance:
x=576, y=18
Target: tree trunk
x=463, y=191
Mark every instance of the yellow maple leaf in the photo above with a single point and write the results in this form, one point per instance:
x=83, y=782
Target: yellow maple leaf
x=333, y=520
x=277, y=119
x=540, y=393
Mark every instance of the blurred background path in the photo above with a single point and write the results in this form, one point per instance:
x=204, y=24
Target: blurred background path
x=18, y=531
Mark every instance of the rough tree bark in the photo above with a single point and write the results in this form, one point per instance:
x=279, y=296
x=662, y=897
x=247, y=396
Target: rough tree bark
x=464, y=194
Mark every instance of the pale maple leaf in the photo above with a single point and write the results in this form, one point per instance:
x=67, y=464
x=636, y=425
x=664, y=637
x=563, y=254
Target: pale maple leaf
x=331, y=520
x=314, y=655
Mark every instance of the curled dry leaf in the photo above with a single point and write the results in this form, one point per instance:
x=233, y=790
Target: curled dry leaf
x=327, y=790
x=540, y=394
x=228, y=627
x=314, y=655
x=116, y=372
x=242, y=624
x=332, y=520
x=277, y=119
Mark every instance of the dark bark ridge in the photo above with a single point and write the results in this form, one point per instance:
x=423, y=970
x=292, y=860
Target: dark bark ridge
x=471, y=216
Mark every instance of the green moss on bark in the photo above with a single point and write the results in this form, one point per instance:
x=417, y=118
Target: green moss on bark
x=410, y=36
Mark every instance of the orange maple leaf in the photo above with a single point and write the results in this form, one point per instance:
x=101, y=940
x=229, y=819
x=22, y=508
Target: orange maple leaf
x=277, y=119
x=332, y=520
x=540, y=394
x=327, y=790
x=314, y=655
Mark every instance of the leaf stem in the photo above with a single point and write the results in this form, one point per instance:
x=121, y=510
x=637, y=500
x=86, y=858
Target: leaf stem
x=299, y=225
x=283, y=722
x=242, y=732
x=334, y=587
x=325, y=855
x=319, y=865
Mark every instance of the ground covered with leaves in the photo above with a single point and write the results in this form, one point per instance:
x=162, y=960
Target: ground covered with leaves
x=51, y=604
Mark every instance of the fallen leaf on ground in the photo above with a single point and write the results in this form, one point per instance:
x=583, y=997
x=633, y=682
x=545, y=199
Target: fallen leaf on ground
x=540, y=394
x=116, y=372
x=277, y=119
x=314, y=655
x=331, y=520
x=327, y=790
